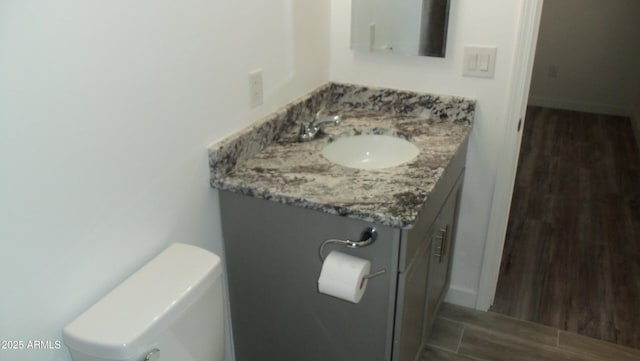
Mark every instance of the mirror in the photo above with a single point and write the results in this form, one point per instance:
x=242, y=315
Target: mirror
x=409, y=27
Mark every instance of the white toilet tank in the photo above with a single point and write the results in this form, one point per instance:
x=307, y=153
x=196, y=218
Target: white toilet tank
x=173, y=305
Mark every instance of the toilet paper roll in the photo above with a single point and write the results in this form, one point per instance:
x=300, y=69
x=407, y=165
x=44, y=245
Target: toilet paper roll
x=342, y=276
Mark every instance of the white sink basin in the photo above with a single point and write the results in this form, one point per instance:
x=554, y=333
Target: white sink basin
x=370, y=151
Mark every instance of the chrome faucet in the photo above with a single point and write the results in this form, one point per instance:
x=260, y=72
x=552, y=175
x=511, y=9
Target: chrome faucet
x=309, y=132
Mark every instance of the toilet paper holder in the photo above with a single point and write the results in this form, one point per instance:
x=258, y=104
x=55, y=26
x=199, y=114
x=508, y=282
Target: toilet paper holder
x=368, y=236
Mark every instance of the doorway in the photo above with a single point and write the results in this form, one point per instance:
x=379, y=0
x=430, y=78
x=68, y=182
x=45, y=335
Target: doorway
x=571, y=257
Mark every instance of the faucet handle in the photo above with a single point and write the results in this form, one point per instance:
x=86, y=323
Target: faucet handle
x=303, y=128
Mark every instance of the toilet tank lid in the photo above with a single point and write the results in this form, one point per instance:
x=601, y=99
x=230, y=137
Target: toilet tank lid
x=130, y=318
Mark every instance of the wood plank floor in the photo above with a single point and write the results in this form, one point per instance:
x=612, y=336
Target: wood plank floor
x=572, y=253
x=462, y=334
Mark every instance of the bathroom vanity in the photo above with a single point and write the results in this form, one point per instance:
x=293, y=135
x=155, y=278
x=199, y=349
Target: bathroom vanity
x=280, y=199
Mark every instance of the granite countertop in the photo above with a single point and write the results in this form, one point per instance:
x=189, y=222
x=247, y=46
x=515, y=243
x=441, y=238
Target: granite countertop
x=267, y=161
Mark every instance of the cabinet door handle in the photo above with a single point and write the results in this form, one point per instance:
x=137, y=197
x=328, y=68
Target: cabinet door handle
x=442, y=248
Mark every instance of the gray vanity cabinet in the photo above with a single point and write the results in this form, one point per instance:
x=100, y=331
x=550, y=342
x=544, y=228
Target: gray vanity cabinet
x=273, y=264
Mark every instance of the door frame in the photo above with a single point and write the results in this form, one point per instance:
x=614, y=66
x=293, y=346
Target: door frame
x=525, y=50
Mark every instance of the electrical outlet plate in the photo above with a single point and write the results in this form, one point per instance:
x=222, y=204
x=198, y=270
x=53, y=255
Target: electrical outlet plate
x=255, y=88
x=479, y=61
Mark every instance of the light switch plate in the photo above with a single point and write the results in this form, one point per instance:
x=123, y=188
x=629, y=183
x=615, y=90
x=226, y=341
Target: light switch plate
x=479, y=61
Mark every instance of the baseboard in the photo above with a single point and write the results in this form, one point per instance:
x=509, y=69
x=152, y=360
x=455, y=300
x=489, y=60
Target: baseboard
x=462, y=297
x=609, y=109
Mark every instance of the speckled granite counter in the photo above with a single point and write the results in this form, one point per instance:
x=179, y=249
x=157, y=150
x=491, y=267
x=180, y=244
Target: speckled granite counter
x=266, y=161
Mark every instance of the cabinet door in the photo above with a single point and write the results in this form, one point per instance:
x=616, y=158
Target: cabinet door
x=440, y=258
x=412, y=291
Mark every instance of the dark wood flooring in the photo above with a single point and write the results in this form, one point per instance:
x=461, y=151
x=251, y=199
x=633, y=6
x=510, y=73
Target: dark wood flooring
x=571, y=258
x=462, y=334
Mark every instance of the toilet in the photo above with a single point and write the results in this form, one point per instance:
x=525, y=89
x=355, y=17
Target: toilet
x=170, y=309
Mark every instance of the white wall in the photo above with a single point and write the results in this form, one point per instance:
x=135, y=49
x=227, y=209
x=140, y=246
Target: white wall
x=593, y=44
x=489, y=22
x=106, y=111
